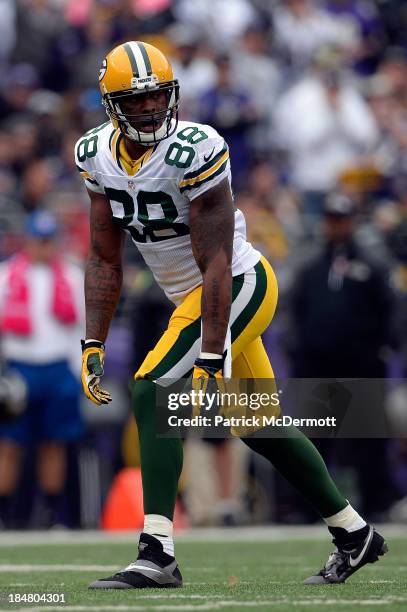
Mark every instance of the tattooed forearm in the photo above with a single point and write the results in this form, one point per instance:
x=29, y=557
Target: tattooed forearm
x=212, y=229
x=211, y=224
x=216, y=300
x=103, y=275
x=103, y=283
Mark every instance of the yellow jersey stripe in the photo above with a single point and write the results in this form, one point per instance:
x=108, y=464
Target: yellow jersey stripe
x=208, y=172
x=113, y=144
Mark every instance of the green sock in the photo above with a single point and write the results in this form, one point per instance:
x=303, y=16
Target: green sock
x=298, y=460
x=161, y=458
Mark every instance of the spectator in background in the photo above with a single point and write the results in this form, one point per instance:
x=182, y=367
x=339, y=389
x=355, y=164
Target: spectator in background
x=393, y=16
x=23, y=136
x=342, y=304
x=394, y=67
x=397, y=242
x=267, y=192
x=66, y=171
x=7, y=29
x=258, y=202
x=364, y=17
x=256, y=72
x=73, y=218
x=325, y=126
x=195, y=72
x=274, y=225
x=19, y=84
x=254, y=66
x=342, y=307
x=387, y=97
x=221, y=21
x=215, y=482
x=36, y=183
x=7, y=176
x=302, y=27
x=97, y=34
x=41, y=308
x=39, y=25
x=380, y=93
x=231, y=111
x=152, y=15
x=46, y=108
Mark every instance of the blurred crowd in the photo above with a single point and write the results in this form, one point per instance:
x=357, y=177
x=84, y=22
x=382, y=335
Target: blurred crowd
x=311, y=97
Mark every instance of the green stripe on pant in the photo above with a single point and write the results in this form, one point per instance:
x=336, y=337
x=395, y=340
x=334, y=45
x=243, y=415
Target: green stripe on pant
x=187, y=338
x=255, y=301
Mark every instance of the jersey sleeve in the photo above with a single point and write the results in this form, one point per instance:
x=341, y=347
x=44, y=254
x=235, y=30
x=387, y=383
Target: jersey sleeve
x=86, y=169
x=210, y=166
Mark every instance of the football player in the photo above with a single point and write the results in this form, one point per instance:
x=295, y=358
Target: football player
x=167, y=183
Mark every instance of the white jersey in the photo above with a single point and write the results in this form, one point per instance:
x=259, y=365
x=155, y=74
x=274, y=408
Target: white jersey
x=151, y=199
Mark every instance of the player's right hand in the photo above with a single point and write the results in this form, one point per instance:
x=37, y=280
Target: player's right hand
x=93, y=357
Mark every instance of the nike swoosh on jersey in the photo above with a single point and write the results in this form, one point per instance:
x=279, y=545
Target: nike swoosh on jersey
x=354, y=562
x=207, y=157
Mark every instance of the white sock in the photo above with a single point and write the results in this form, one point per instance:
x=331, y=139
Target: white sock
x=347, y=519
x=161, y=528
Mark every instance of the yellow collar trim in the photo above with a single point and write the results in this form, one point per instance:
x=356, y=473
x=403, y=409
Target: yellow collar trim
x=132, y=166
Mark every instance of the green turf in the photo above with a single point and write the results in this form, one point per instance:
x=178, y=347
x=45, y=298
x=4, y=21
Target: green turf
x=236, y=576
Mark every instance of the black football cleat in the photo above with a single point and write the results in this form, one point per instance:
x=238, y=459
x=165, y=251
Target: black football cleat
x=353, y=551
x=153, y=569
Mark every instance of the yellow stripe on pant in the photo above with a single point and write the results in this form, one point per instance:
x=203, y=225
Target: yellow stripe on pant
x=253, y=306
x=186, y=316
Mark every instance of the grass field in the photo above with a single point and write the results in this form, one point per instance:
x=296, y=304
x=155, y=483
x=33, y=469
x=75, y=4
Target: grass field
x=223, y=570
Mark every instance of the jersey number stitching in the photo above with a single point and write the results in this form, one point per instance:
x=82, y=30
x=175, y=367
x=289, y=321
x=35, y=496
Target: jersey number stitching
x=151, y=226
x=88, y=146
x=179, y=155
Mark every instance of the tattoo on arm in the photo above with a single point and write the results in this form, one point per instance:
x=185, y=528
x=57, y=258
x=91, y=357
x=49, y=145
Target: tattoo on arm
x=212, y=229
x=103, y=275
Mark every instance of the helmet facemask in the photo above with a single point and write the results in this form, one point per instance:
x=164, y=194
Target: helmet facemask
x=163, y=122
